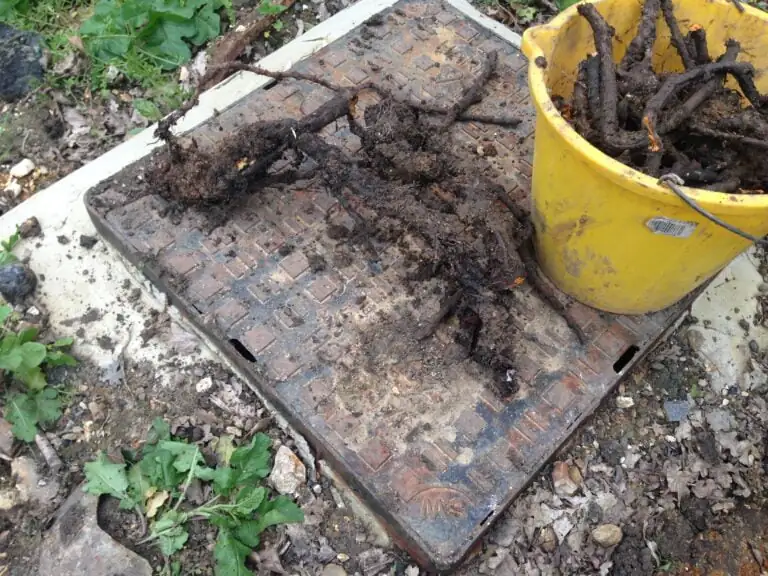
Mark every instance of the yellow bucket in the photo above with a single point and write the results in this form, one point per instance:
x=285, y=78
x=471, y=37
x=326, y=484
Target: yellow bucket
x=606, y=234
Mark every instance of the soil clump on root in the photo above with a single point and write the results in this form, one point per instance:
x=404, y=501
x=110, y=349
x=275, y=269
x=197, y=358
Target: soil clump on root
x=691, y=123
x=409, y=184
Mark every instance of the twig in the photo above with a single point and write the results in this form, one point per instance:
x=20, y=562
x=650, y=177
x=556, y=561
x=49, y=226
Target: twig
x=674, y=84
x=738, y=4
x=677, y=37
x=474, y=93
x=646, y=35
x=262, y=424
x=51, y=457
x=546, y=292
x=699, y=42
x=603, y=33
x=702, y=94
x=729, y=137
x=163, y=130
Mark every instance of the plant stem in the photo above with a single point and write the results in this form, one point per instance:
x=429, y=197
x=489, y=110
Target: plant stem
x=187, y=482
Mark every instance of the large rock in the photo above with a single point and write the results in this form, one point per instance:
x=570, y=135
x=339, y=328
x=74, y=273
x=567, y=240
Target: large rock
x=21, y=62
x=75, y=545
x=17, y=281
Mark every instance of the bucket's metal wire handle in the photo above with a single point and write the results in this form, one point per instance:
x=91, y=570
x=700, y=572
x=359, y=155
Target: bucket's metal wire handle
x=674, y=183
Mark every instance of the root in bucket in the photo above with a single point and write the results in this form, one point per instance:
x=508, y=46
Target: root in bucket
x=405, y=180
x=691, y=123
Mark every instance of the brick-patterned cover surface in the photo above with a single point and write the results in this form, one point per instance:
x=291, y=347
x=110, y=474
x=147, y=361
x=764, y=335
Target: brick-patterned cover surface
x=436, y=453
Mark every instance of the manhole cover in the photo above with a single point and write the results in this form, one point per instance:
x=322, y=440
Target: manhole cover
x=327, y=333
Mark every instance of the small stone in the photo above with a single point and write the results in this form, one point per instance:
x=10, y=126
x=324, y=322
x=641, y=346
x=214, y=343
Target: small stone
x=676, y=410
x=17, y=281
x=624, y=402
x=288, y=473
x=333, y=570
x=88, y=242
x=412, y=571
x=744, y=325
x=547, y=539
x=754, y=346
x=317, y=489
x=22, y=169
x=607, y=535
x=658, y=366
x=96, y=410
x=30, y=485
x=6, y=437
x=342, y=557
x=561, y=478
x=204, y=385
x=13, y=189
x=234, y=431
x=8, y=499
x=30, y=228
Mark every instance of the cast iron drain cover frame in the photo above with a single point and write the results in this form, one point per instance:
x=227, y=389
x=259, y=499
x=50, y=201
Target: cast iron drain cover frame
x=437, y=460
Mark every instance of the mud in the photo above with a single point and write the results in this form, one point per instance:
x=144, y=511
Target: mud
x=689, y=123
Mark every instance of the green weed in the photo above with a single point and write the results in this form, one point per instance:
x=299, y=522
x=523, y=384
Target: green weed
x=29, y=401
x=155, y=481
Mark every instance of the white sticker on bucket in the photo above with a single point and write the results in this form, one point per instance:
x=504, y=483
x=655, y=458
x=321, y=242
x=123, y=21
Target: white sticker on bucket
x=670, y=227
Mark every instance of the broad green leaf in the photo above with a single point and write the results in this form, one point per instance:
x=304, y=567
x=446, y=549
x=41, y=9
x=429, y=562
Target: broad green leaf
x=267, y=8
x=248, y=533
x=63, y=343
x=59, y=358
x=138, y=485
x=190, y=457
x=33, y=353
x=105, y=477
x=163, y=39
x=28, y=335
x=173, y=540
x=11, y=359
x=249, y=498
x=5, y=313
x=20, y=410
x=223, y=478
x=207, y=25
x=7, y=258
x=252, y=462
x=148, y=109
x=33, y=378
x=229, y=555
x=157, y=465
x=280, y=510
x=47, y=406
x=160, y=430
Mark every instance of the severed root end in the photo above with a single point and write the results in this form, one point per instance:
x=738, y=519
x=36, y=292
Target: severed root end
x=653, y=138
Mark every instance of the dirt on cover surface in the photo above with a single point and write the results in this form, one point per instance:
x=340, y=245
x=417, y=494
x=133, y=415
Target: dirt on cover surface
x=688, y=123
x=410, y=182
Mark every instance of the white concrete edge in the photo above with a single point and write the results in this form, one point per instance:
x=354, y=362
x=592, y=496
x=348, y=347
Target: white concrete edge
x=218, y=98
x=486, y=22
